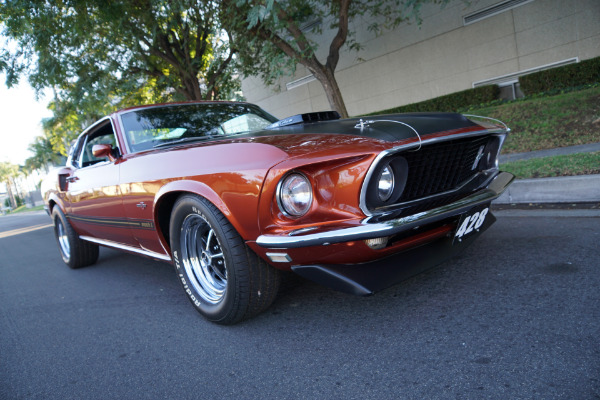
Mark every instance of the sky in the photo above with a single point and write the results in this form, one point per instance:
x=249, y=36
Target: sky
x=21, y=115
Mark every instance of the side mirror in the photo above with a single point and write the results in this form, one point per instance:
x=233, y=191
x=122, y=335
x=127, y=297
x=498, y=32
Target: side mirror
x=104, y=150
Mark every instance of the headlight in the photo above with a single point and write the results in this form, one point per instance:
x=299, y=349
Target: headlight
x=385, y=186
x=295, y=195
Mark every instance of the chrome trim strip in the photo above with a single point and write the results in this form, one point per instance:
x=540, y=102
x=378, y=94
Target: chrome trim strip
x=488, y=174
x=369, y=230
x=363, y=191
x=278, y=194
x=69, y=162
x=490, y=119
x=120, y=246
x=367, y=124
x=124, y=134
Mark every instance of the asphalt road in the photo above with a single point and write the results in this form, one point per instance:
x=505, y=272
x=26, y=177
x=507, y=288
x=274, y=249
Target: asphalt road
x=516, y=316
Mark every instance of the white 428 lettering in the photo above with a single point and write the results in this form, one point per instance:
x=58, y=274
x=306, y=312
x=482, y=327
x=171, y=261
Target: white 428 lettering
x=471, y=223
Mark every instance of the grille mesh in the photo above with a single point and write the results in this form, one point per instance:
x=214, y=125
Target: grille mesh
x=440, y=167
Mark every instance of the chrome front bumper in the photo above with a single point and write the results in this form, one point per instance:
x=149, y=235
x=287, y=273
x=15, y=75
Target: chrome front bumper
x=370, y=230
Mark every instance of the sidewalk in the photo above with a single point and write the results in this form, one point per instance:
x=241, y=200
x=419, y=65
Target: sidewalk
x=564, y=189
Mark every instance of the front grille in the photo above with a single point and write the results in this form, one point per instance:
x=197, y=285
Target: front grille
x=440, y=167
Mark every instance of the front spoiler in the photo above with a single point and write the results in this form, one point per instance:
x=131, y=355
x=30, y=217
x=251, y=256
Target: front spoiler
x=367, y=278
x=369, y=230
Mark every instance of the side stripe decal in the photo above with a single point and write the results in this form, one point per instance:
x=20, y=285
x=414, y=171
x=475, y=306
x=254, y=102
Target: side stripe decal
x=145, y=224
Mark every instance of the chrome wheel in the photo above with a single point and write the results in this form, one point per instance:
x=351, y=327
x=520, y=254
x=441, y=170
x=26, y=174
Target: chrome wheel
x=203, y=259
x=63, y=239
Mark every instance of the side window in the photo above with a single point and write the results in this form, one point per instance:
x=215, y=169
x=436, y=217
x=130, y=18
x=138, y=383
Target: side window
x=104, y=135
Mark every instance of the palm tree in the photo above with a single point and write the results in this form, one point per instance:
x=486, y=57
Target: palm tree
x=8, y=173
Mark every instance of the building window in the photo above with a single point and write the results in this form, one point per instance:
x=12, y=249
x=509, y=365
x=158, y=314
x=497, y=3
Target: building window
x=509, y=84
x=493, y=10
x=510, y=90
x=299, y=82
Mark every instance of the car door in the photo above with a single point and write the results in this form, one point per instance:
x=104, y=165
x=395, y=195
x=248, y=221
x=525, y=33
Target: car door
x=95, y=205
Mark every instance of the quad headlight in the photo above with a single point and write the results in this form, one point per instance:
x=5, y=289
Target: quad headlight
x=294, y=195
x=385, y=185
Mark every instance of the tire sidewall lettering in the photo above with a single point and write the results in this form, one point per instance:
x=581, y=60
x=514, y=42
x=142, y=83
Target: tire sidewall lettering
x=178, y=217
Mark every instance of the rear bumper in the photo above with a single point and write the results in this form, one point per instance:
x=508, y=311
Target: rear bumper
x=369, y=229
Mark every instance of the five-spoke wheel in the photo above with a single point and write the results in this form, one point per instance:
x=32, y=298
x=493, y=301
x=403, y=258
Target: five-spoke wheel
x=203, y=259
x=225, y=281
x=76, y=253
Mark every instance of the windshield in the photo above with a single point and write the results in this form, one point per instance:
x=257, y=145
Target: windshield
x=165, y=125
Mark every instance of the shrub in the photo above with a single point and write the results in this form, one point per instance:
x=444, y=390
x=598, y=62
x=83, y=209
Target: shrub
x=582, y=73
x=450, y=102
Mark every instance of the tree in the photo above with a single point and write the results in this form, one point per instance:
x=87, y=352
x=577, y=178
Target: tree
x=274, y=36
x=44, y=154
x=8, y=173
x=99, y=55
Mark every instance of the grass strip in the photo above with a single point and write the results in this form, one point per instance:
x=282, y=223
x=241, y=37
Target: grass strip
x=24, y=208
x=567, y=165
x=546, y=122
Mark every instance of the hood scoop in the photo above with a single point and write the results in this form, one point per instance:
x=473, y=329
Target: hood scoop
x=306, y=118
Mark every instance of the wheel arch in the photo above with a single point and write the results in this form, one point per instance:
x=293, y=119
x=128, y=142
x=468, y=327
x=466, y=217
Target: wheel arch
x=168, y=195
x=53, y=201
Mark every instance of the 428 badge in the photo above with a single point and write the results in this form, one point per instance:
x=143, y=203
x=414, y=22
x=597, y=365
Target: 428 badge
x=470, y=223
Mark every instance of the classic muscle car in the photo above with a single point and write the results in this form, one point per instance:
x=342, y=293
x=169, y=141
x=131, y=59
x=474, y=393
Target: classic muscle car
x=232, y=196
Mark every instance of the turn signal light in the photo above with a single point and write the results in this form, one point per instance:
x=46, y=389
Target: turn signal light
x=377, y=243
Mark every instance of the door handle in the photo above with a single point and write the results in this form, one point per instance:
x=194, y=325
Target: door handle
x=72, y=178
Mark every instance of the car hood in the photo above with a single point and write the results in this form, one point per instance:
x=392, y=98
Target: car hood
x=389, y=128
x=352, y=135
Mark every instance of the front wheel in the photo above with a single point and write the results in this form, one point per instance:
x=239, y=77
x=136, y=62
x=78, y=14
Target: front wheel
x=76, y=253
x=225, y=281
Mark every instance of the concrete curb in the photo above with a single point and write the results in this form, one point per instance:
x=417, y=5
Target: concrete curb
x=545, y=213
x=564, y=189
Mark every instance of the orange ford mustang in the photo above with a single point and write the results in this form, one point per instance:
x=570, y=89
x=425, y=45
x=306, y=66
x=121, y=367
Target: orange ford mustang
x=232, y=197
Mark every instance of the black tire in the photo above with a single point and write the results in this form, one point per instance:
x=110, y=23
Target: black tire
x=224, y=280
x=76, y=253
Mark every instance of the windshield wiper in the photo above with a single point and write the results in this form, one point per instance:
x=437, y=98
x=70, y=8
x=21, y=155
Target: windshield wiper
x=198, y=139
x=183, y=140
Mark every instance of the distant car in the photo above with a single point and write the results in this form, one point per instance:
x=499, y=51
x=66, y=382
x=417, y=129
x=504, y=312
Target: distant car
x=232, y=197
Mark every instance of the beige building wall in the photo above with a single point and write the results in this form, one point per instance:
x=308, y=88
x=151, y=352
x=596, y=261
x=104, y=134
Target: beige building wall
x=443, y=55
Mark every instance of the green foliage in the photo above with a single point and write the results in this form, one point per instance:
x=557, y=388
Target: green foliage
x=44, y=153
x=98, y=56
x=8, y=171
x=566, y=165
x=451, y=102
x=154, y=49
x=273, y=37
x=22, y=208
x=545, y=122
x=579, y=74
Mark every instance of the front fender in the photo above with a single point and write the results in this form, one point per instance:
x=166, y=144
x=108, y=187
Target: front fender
x=200, y=189
x=53, y=198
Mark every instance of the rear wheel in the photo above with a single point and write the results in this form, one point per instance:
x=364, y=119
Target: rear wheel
x=76, y=253
x=225, y=281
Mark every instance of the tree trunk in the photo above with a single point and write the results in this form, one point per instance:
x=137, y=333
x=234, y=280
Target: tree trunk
x=11, y=195
x=191, y=88
x=332, y=90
